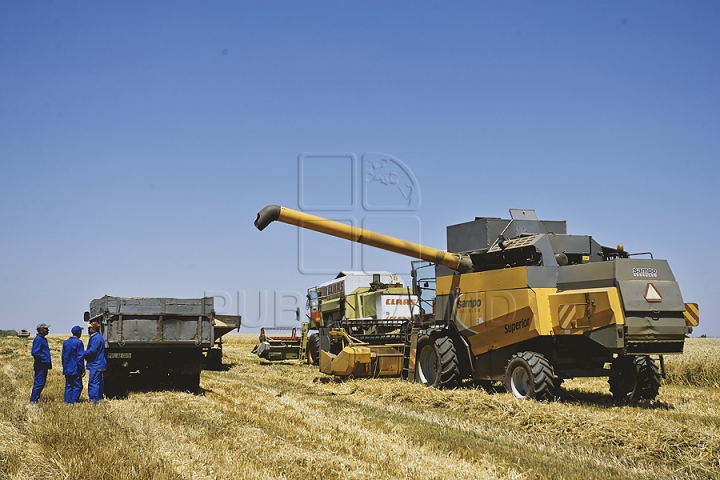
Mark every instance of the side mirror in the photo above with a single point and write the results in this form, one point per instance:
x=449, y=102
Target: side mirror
x=86, y=317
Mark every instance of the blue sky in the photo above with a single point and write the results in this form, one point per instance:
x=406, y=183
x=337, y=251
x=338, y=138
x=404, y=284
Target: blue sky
x=139, y=139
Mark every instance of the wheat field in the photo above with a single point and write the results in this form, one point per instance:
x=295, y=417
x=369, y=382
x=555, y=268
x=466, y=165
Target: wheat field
x=257, y=419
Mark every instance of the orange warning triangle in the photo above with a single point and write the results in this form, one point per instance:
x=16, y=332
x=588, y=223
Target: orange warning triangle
x=651, y=294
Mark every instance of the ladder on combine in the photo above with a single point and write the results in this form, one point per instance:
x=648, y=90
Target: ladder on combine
x=303, y=341
x=409, y=352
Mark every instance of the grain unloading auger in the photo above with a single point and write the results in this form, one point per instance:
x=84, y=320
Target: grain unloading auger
x=524, y=302
x=271, y=213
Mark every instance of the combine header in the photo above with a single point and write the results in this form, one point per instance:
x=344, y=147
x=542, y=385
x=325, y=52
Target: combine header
x=278, y=347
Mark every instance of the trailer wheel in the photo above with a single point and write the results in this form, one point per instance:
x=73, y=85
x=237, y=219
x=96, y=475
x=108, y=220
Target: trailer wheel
x=437, y=363
x=530, y=375
x=213, y=359
x=313, y=349
x=115, y=386
x=189, y=382
x=634, y=378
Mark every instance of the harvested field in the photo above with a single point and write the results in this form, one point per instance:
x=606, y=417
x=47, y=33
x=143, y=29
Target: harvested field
x=258, y=419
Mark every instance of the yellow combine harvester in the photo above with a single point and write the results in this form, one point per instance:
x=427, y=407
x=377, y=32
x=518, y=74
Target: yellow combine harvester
x=522, y=301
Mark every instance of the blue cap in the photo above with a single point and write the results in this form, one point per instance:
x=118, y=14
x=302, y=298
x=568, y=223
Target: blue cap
x=76, y=329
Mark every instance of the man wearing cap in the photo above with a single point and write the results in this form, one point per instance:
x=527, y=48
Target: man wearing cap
x=73, y=365
x=41, y=353
x=96, y=363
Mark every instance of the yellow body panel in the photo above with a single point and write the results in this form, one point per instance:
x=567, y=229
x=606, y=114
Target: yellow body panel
x=495, y=309
x=576, y=311
x=501, y=318
x=506, y=279
x=350, y=361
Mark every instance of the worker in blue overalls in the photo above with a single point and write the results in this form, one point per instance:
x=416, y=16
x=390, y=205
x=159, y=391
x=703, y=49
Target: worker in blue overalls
x=73, y=365
x=96, y=363
x=41, y=353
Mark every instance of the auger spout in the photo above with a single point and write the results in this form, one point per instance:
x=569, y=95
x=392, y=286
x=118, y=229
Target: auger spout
x=271, y=213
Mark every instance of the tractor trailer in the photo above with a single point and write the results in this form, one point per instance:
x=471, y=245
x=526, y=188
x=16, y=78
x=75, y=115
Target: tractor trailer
x=159, y=341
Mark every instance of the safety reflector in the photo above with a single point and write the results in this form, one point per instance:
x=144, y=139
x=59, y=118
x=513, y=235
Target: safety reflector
x=566, y=316
x=651, y=294
x=692, y=314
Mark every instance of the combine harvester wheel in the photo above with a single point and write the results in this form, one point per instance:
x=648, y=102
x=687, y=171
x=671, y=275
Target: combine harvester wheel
x=634, y=378
x=437, y=364
x=530, y=375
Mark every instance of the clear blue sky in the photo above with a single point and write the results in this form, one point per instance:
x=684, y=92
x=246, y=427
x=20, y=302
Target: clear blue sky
x=138, y=140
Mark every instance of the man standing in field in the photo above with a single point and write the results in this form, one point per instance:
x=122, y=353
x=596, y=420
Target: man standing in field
x=73, y=365
x=96, y=363
x=41, y=353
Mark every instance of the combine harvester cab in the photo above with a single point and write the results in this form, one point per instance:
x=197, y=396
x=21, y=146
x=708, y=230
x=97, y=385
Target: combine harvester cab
x=520, y=301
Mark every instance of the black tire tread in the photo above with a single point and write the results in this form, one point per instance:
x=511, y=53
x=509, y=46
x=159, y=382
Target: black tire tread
x=634, y=378
x=449, y=366
x=648, y=377
x=543, y=376
x=313, y=346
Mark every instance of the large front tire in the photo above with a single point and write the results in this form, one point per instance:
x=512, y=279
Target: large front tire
x=634, y=378
x=313, y=349
x=530, y=375
x=437, y=363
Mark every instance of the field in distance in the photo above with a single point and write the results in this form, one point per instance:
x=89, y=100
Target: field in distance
x=257, y=419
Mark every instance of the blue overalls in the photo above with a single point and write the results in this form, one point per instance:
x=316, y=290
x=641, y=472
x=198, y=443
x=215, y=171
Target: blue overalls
x=41, y=353
x=96, y=363
x=73, y=368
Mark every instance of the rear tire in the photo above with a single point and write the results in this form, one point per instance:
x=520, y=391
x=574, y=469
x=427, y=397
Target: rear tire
x=213, y=359
x=313, y=349
x=634, y=378
x=530, y=375
x=437, y=363
x=115, y=386
x=189, y=383
x=648, y=377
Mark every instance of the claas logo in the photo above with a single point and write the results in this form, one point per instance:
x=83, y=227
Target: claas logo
x=399, y=301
